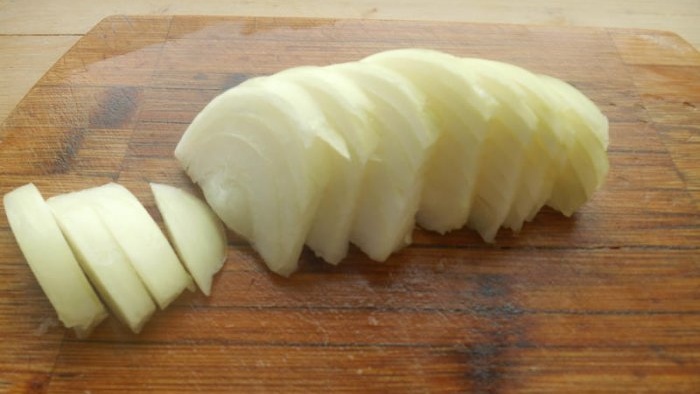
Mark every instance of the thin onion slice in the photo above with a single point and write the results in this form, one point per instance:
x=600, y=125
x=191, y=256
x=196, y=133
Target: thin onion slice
x=102, y=259
x=196, y=232
x=52, y=261
x=142, y=241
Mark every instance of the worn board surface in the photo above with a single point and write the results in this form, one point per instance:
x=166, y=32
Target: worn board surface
x=607, y=301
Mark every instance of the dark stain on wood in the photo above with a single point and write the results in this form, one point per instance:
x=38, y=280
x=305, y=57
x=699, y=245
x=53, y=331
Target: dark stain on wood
x=69, y=150
x=501, y=330
x=235, y=79
x=115, y=108
x=38, y=384
x=481, y=362
x=487, y=361
x=489, y=285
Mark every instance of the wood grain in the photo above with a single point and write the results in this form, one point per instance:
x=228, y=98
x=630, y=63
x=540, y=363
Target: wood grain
x=606, y=301
x=79, y=16
x=23, y=60
x=34, y=33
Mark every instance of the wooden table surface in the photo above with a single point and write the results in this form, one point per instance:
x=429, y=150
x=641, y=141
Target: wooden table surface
x=606, y=301
x=35, y=33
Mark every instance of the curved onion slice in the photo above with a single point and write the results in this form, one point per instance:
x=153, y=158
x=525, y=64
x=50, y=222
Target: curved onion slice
x=141, y=239
x=394, y=177
x=102, y=259
x=52, y=261
x=195, y=231
x=348, y=111
x=260, y=152
x=462, y=111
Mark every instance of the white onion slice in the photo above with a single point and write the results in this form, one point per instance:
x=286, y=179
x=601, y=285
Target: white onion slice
x=102, y=259
x=195, y=231
x=141, y=240
x=52, y=261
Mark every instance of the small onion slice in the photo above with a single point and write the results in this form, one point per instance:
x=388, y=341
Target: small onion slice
x=196, y=232
x=52, y=261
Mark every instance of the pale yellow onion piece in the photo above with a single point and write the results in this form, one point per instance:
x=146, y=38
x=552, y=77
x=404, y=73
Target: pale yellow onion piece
x=348, y=111
x=586, y=162
x=463, y=109
x=330, y=221
x=245, y=194
x=516, y=156
x=103, y=260
x=52, y=261
x=141, y=240
x=196, y=232
x=543, y=153
x=260, y=153
x=396, y=173
x=503, y=153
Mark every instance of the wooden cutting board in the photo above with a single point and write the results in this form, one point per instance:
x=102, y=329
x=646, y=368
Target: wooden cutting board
x=606, y=301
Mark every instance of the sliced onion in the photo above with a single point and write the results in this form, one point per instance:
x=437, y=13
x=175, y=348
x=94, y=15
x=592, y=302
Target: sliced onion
x=52, y=261
x=195, y=231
